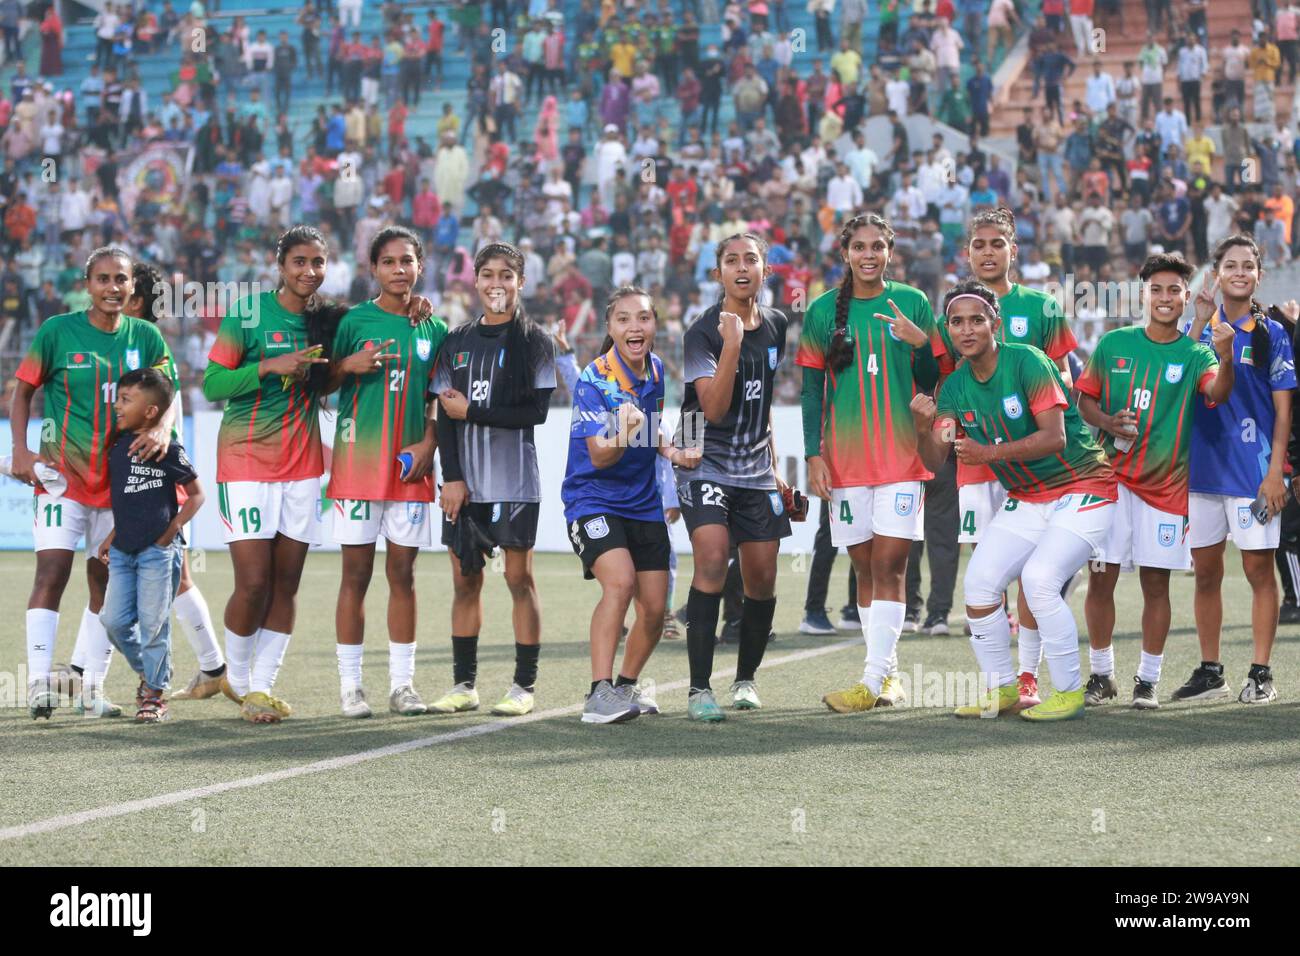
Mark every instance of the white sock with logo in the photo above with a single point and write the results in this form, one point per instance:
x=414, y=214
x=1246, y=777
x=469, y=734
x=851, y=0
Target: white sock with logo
x=239, y=660
x=401, y=664
x=1149, y=667
x=884, y=625
x=1029, y=643
x=196, y=622
x=990, y=639
x=1061, y=646
x=271, y=646
x=1102, y=661
x=42, y=626
x=349, y=656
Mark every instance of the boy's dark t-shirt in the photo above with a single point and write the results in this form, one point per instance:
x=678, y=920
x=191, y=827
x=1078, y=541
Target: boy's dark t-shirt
x=144, y=493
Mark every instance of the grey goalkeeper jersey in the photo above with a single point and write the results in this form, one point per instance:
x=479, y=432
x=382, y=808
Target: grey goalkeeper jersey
x=499, y=464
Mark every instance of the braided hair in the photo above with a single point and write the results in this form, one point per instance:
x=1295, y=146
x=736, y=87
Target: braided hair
x=840, y=353
x=322, y=316
x=1260, y=339
x=523, y=338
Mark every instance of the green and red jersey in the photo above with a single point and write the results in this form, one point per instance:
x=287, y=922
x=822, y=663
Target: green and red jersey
x=1024, y=383
x=868, y=436
x=1158, y=382
x=272, y=434
x=1029, y=317
x=78, y=366
x=382, y=412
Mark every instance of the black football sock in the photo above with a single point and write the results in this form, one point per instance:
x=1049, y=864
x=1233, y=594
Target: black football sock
x=594, y=685
x=76, y=669
x=464, y=655
x=701, y=635
x=755, y=625
x=216, y=673
x=624, y=681
x=526, y=665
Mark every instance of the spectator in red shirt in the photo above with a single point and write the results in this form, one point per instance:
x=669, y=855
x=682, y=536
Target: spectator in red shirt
x=20, y=220
x=426, y=210
x=433, y=48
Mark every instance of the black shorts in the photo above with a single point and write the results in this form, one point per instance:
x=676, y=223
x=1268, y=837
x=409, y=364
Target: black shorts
x=752, y=514
x=647, y=541
x=510, y=524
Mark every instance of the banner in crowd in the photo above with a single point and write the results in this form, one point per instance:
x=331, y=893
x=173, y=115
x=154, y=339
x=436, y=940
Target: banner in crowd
x=552, y=443
x=152, y=180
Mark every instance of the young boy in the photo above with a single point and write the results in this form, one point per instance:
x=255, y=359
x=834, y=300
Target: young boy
x=143, y=553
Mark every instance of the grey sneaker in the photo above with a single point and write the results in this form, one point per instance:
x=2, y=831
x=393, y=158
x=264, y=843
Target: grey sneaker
x=354, y=704
x=606, y=705
x=643, y=695
x=406, y=702
x=1258, y=688
x=41, y=698
x=1101, y=688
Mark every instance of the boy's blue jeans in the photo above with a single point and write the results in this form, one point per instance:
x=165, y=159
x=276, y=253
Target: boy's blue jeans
x=138, y=609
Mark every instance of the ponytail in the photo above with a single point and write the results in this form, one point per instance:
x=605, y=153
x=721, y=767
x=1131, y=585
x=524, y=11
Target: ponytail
x=840, y=353
x=1260, y=340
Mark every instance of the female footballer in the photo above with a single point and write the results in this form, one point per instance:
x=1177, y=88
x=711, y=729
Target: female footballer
x=1032, y=318
x=493, y=379
x=735, y=495
x=1006, y=407
x=612, y=502
x=382, y=418
x=865, y=349
x=1238, y=458
x=77, y=359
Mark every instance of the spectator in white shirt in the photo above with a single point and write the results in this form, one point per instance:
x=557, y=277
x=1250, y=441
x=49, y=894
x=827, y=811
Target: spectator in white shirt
x=1193, y=64
x=908, y=202
x=843, y=194
x=862, y=161
x=1171, y=125
x=1101, y=90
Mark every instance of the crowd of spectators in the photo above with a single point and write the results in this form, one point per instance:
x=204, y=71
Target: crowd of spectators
x=593, y=135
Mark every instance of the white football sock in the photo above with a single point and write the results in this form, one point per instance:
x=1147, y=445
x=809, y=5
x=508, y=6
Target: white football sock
x=1061, y=644
x=1030, y=646
x=401, y=664
x=97, y=650
x=990, y=639
x=239, y=660
x=1149, y=667
x=42, y=626
x=78, y=659
x=196, y=622
x=884, y=625
x=349, y=656
x=1102, y=661
x=271, y=646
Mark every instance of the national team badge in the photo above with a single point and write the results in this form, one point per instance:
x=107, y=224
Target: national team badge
x=1244, y=518
x=596, y=528
x=496, y=512
x=1165, y=534
x=78, y=360
x=278, y=340
x=1011, y=405
x=1122, y=365
x=778, y=505
x=133, y=359
x=903, y=503
x=460, y=361
x=1063, y=502
x=1174, y=373
x=415, y=512
x=424, y=348
x=1019, y=325
x=771, y=356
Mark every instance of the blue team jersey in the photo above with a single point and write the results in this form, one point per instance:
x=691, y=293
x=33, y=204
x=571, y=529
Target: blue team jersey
x=1232, y=443
x=629, y=488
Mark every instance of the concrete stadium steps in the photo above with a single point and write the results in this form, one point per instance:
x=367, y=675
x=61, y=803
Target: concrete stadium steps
x=1124, y=44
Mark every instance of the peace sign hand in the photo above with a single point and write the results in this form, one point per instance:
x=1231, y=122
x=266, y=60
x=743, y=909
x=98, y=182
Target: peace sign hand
x=368, y=360
x=1205, y=303
x=904, y=329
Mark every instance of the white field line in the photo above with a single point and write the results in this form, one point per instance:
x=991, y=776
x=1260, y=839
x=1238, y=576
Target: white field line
x=67, y=820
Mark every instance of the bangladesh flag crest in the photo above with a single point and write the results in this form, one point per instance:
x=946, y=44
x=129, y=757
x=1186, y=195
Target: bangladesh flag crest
x=1247, y=355
x=278, y=340
x=461, y=360
x=1122, y=364
x=79, y=360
